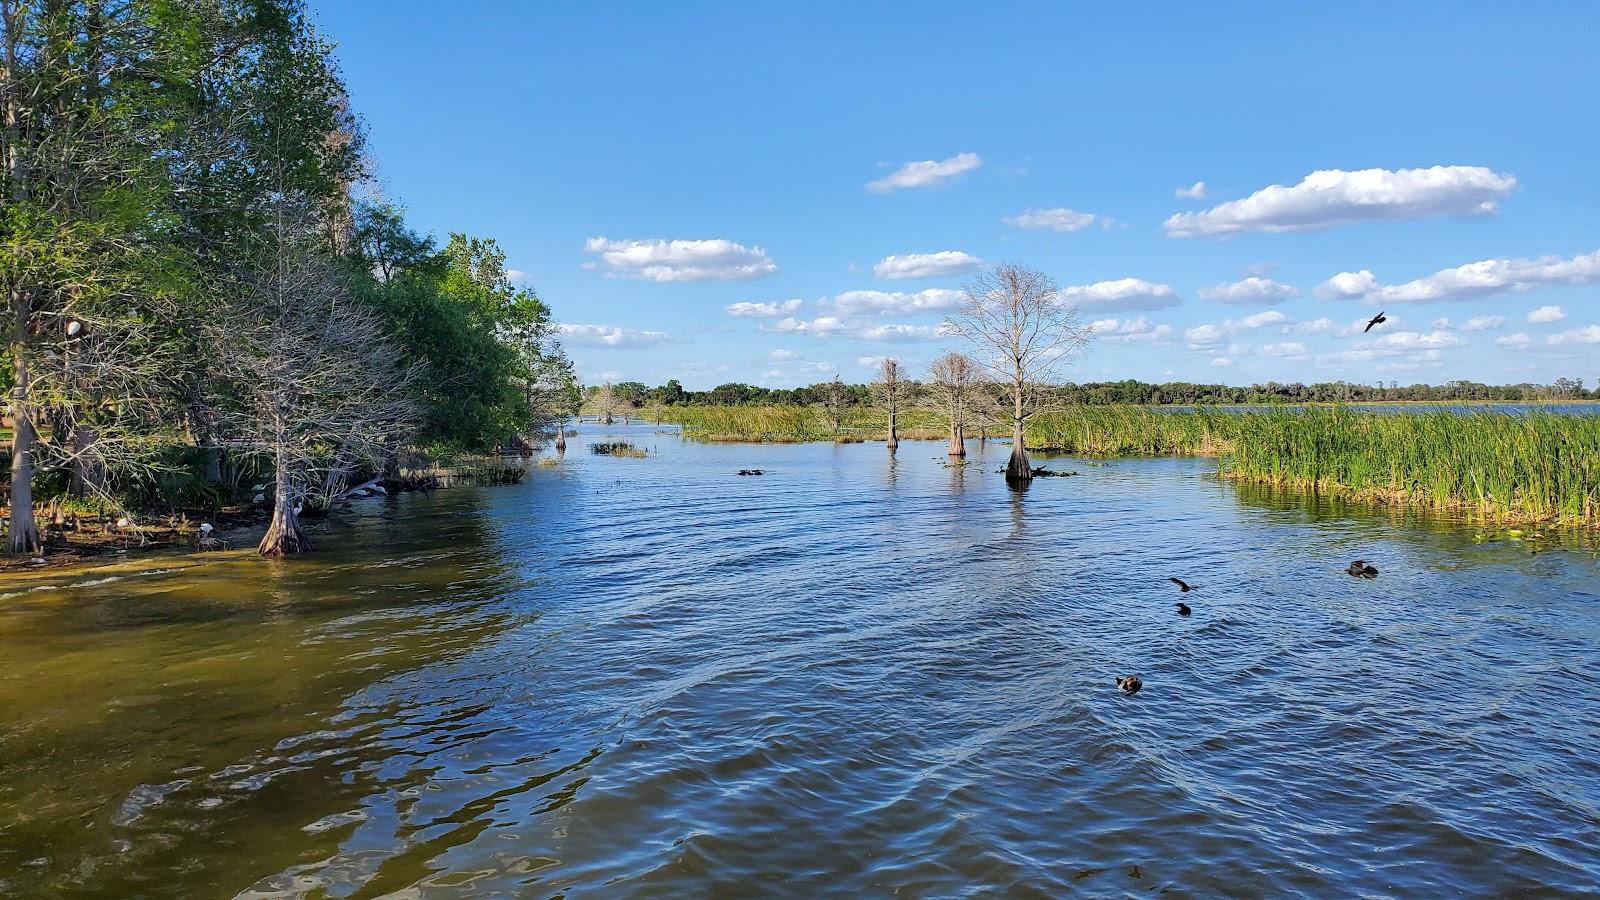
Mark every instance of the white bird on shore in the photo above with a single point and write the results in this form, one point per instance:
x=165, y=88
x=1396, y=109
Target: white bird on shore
x=123, y=522
x=205, y=527
x=297, y=508
x=258, y=498
x=73, y=328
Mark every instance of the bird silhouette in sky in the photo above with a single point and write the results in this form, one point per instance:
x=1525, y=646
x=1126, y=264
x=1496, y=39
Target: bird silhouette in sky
x=1376, y=320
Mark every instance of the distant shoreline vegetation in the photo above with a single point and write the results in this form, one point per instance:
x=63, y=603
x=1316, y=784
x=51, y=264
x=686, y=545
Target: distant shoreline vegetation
x=1491, y=466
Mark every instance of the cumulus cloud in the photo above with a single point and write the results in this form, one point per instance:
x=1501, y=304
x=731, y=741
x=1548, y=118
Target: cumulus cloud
x=1518, y=341
x=781, y=355
x=1330, y=197
x=1121, y=295
x=1057, y=218
x=927, y=173
x=610, y=336
x=1287, y=349
x=870, y=362
x=1196, y=191
x=926, y=265
x=836, y=326
x=664, y=261
x=1545, y=314
x=1315, y=326
x=1407, y=341
x=1480, y=279
x=1587, y=335
x=770, y=310
x=880, y=303
x=1211, y=337
x=1130, y=331
x=1484, y=323
x=1221, y=362
x=1252, y=291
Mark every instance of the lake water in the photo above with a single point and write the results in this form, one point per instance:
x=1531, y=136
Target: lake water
x=851, y=676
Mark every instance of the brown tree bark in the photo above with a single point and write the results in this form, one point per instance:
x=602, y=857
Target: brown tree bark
x=1018, y=468
x=23, y=534
x=958, y=439
x=283, y=536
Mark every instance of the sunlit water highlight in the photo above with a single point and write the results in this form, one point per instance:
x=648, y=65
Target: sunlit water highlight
x=852, y=675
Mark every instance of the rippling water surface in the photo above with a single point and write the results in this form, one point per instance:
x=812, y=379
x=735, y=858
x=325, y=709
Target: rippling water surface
x=854, y=675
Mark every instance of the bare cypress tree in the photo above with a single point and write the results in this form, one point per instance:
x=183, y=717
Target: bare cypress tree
x=889, y=391
x=834, y=398
x=954, y=380
x=304, y=372
x=605, y=402
x=1025, y=336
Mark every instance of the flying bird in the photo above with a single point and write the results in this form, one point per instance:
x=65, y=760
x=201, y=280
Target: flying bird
x=1359, y=569
x=1183, y=586
x=1129, y=684
x=1375, y=320
x=1183, y=609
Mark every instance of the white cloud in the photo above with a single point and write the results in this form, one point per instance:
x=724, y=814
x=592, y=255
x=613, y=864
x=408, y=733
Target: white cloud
x=1057, y=218
x=864, y=303
x=1480, y=279
x=607, y=375
x=836, y=326
x=1587, y=335
x=1221, y=362
x=1252, y=291
x=1290, y=349
x=1406, y=341
x=926, y=265
x=1484, y=323
x=781, y=355
x=1331, y=197
x=769, y=310
x=1196, y=191
x=897, y=332
x=1516, y=341
x=1211, y=337
x=870, y=362
x=1441, y=322
x=1546, y=314
x=663, y=261
x=517, y=276
x=818, y=367
x=1315, y=326
x=610, y=336
x=1121, y=295
x=927, y=173
x=1130, y=331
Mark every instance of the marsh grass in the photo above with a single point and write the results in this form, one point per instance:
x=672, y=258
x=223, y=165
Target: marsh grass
x=1482, y=465
x=618, y=448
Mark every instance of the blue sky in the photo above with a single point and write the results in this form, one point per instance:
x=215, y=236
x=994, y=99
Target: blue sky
x=649, y=167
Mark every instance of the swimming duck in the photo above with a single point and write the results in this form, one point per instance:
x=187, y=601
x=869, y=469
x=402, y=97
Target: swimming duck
x=1129, y=684
x=1360, y=569
x=1183, y=609
x=1183, y=586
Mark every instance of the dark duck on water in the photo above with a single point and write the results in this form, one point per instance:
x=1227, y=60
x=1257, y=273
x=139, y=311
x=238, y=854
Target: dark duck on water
x=1360, y=569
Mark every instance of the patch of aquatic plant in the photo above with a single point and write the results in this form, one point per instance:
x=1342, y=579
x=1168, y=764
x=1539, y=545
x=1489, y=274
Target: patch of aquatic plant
x=618, y=448
x=1490, y=466
x=795, y=424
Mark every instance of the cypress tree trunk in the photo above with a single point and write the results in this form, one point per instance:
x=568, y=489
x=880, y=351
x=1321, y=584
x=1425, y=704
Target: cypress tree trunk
x=894, y=431
x=88, y=475
x=283, y=535
x=958, y=440
x=1018, y=469
x=23, y=534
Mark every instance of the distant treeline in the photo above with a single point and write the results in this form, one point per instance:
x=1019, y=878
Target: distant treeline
x=1105, y=393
